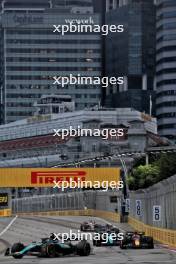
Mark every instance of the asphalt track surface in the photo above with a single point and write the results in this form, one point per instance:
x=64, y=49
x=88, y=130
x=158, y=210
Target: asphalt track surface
x=27, y=230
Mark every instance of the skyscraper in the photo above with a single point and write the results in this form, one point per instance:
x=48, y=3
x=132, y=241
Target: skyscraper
x=166, y=68
x=133, y=53
x=32, y=54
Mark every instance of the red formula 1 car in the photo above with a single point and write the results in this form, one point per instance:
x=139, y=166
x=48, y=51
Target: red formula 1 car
x=137, y=240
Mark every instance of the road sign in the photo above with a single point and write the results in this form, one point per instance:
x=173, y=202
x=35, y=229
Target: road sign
x=127, y=205
x=156, y=213
x=138, y=207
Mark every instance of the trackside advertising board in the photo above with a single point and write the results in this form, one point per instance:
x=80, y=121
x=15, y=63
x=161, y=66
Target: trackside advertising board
x=45, y=177
x=3, y=199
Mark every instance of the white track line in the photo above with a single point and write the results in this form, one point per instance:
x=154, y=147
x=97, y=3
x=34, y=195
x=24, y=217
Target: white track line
x=9, y=225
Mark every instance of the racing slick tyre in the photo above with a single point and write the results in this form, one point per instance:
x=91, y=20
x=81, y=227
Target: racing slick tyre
x=83, y=248
x=122, y=246
x=16, y=248
x=7, y=252
x=151, y=246
x=97, y=243
x=150, y=242
x=51, y=251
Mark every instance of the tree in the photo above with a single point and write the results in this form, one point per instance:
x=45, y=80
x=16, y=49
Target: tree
x=143, y=176
x=167, y=164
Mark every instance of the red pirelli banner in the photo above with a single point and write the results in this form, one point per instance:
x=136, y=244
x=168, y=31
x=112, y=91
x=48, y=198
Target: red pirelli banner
x=45, y=177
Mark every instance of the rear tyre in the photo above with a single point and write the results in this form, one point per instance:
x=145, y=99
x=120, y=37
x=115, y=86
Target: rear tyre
x=150, y=242
x=51, y=251
x=83, y=248
x=151, y=245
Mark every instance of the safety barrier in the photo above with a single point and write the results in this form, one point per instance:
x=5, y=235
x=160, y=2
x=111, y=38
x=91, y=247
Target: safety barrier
x=5, y=212
x=88, y=212
x=165, y=236
x=115, y=217
x=162, y=195
x=59, y=213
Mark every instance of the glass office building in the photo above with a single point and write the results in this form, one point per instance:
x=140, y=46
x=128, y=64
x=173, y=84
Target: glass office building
x=133, y=53
x=31, y=54
x=166, y=68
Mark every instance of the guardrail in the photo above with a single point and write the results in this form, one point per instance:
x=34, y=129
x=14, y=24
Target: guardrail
x=59, y=213
x=115, y=217
x=165, y=236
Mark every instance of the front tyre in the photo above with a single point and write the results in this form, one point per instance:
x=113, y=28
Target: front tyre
x=17, y=247
x=122, y=246
x=17, y=256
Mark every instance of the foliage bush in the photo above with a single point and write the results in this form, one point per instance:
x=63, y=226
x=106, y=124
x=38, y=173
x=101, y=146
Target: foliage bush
x=144, y=176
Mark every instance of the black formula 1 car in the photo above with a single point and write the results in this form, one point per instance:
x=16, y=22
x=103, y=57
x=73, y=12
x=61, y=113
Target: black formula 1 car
x=89, y=226
x=49, y=248
x=106, y=236
x=137, y=240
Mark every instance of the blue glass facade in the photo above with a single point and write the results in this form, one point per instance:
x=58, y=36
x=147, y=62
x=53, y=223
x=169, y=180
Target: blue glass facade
x=166, y=68
x=133, y=53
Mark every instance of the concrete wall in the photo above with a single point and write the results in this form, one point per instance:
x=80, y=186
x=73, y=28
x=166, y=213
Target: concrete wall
x=96, y=200
x=162, y=194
